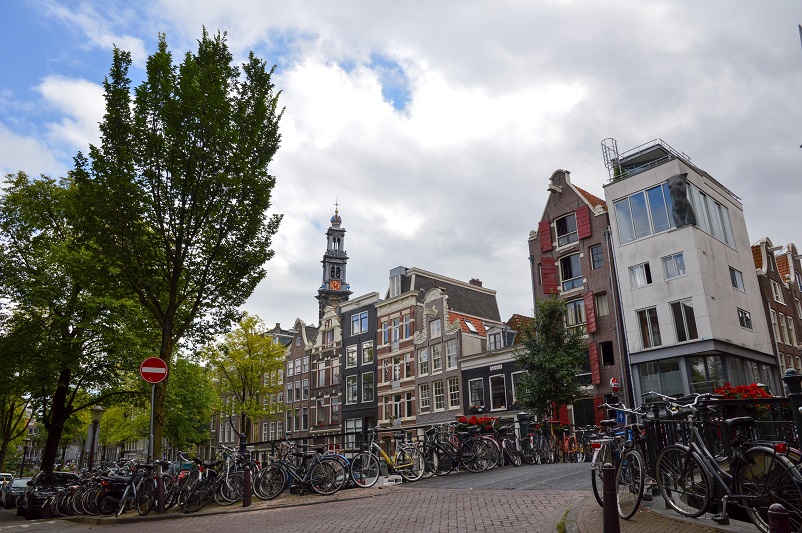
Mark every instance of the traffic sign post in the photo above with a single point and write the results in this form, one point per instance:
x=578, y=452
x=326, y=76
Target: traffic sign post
x=153, y=370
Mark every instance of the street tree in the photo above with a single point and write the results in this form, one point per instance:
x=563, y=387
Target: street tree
x=69, y=339
x=551, y=356
x=178, y=191
x=247, y=364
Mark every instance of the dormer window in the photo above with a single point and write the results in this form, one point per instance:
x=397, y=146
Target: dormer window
x=395, y=286
x=566, y=230
x=495, y=341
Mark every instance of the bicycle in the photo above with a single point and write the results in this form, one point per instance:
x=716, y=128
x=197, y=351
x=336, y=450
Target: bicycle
x=407, y=462
x=322, y=474
x=467, y=450
x=509, y=446
x=760, y=474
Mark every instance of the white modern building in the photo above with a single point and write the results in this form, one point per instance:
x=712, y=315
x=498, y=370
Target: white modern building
x=692, y=310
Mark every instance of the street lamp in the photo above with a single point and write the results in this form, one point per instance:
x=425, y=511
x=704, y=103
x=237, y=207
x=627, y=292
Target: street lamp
x=27, y=442
x=97, y=414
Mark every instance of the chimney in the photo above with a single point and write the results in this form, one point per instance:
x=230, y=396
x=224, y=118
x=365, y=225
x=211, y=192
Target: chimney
x=475, y=282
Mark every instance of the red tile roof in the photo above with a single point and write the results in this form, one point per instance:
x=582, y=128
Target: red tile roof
x=757, y=256
x=782, y=266
x=592, y=199
x=462, y=319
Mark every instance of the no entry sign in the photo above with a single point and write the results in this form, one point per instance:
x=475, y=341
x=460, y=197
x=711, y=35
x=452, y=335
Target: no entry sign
x=153, y=370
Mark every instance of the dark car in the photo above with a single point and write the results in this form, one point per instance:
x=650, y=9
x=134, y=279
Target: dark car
x=39, y=488
x=13, y=490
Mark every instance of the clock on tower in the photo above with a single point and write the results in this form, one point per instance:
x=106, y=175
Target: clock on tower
x=334, y=285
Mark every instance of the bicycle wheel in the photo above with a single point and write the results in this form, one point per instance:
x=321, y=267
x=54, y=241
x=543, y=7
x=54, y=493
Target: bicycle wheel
x=683, y=482
x=581, y=451
x=431, y=461
x=145, y=496
x=495, y=450
x=365, y=469
x=527, y=452
x=409, y=463
x=445, y=461
x=107, y=504
x=270, y=482
x=231, y=489
x=766, y=478
x=201, y=496
x=326, y=476
x=512, y=454
x=629, y=477
x=474, y=455
x=604, y=456
x=571, y=448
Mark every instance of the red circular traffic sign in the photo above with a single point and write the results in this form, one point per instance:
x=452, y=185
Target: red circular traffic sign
x=613, y=384
x=153, y=370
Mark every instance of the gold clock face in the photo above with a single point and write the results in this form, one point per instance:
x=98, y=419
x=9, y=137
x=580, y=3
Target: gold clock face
x=334, y=284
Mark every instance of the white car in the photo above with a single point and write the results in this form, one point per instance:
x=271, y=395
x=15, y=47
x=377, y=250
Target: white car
x=5, y=477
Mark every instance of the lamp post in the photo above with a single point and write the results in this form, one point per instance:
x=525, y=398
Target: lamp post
x=27, y=442
x=97, y=414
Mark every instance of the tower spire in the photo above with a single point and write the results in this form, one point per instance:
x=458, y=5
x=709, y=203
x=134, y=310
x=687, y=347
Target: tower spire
x=334, y=288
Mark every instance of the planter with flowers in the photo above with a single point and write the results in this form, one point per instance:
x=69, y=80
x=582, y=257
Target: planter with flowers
x=487, y=424
x=744, y=400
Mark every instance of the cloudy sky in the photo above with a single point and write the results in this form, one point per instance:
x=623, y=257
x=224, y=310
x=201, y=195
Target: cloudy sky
x=436, y=125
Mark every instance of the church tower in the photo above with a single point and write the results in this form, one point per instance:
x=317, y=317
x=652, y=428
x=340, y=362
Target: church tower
x=335, y=288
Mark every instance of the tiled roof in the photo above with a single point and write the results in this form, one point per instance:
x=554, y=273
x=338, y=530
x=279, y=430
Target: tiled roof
x=757, y=257
x=462, y=319
x=518, y=323
x=592, y=199
x=782, y=266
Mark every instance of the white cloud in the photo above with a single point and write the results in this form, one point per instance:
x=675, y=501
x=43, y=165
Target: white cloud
x=28, y=155
x=81, y=106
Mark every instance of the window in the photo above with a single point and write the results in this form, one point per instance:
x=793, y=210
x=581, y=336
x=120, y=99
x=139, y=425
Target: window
x=385, y=333
x=305, y=364
x=439, y=396
x=335, y=409
x=640, y=275
x=289, y=392
x=408, y=365
x=322, y=413
x=434, y=328
x=575, y=313
x=288, y=418
x=272, y=434
x=602, y=307
x=711, y=217
x=297, y=390
x=396, y=368
x=783, y=330
x=707, y=373
x=775, y=326
x=798, y=307
x=777, y=292
x=297, y=367
x=423, y=361
x=297, y=426
x=359, y=323
x=674, y=266
x=584, y=377
x=608, y=358
x=437, y=357
x=649, y=328
x=266, y=431
x=395, y=286
x=328, y=338
x=570, y=272
x=350, y=356
x=516, y=379
x=423, y=397
x=566, y=230
x=353, y=427
x=745, y=319
x=451, y=353
x=297, y=341
x=304, y=418
x=335, y=371
x=453, y=392
x=498, y=392
x=476, y=389
x=737, y=279
x=368, y=390
x=643, y=213
x=684, y=321
x=289, y=369
x=395, y=330
x=350, y=389
x=596, y=257
x=791, y=331
x=406, y=327
x=494, y=341
x=305, y=389
x=410, y=404
x=367, y=353
x=662, y=376
x=798, y=279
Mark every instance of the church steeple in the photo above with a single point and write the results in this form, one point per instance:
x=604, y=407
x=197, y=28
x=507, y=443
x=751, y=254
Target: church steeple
x=335, y=288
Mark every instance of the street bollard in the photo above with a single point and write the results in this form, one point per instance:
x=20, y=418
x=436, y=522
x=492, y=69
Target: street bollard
x=610, y=497
x=246, y=487
x=160, y=494
x=779, y=521
x=242, y=438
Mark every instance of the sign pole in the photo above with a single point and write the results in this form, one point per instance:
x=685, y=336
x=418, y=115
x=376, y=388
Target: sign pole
x=152, y=402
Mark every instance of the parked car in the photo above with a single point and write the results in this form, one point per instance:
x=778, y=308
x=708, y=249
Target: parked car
x=5, y=478
x=12, y=491
x=38, y=489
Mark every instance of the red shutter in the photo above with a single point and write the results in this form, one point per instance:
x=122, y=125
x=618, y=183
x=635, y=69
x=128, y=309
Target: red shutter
x=590, y=313
x=593, y=353
x=548, y=271
x=544, y=233
x=583, y=222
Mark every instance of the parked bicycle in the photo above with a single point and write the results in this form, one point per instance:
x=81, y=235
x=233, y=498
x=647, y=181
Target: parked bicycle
x=407, y=461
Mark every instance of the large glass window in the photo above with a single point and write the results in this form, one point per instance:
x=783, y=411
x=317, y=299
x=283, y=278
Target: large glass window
x=661, y=376
x=649, y=327
x=644, y=213
x=684, y=320
x=661, y=218
x=575, y=313
x=640, y=275
x=711, y=217
x=707, y=373
x=566, y=230
x=498, y=392
x=674, y=266
x=571, y=272
x=476, y=389
x=368, y=390
x=350, y=389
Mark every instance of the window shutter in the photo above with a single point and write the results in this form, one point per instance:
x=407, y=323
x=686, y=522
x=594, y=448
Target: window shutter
x=590, y=313
x=593, y=354
x=544, y=233
x=583, y=222
x=548, y=271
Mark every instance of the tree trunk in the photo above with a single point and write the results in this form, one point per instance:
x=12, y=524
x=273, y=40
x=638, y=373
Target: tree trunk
x=59, y=413
x=3, y=451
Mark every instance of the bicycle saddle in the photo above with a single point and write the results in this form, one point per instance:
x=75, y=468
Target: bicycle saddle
x=608, y=423
x=399, y=436
x=739, y=422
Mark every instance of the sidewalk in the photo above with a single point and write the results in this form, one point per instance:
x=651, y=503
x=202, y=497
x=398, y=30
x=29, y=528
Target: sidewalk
x=652, y=517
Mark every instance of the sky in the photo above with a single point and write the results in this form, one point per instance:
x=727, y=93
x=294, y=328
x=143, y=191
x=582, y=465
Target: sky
x=435, y=126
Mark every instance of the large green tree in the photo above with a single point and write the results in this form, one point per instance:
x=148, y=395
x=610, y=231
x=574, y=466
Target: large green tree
x=178, y=191
x=70, y=340
x=247, y=364
x=551, y=356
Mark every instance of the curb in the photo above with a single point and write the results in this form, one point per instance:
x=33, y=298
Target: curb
x=573, y=513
